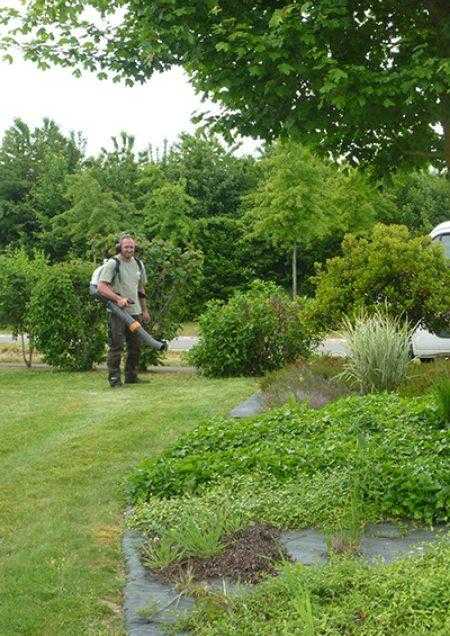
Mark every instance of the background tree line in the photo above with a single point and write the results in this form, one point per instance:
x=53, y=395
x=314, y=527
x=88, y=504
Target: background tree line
x=270, y=217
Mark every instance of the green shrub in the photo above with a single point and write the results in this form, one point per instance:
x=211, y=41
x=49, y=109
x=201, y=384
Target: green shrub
x=254, y=332
x=379, y=348
x=18, y=276
x=442, y=393
x=405, y=471
x=421, y=377
x=410, y=275
x=173, y=274
x=69, y=327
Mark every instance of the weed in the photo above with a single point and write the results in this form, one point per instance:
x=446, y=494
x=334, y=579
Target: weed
x=199, y=536
x=300, y=598
x=191, y=535
x=149, y=610
x=159, y=552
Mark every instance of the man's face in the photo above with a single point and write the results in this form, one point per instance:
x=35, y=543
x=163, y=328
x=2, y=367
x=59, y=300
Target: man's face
x=127, y=248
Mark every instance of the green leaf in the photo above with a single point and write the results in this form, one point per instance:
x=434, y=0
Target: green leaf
x=285, y=68
x=222, y=46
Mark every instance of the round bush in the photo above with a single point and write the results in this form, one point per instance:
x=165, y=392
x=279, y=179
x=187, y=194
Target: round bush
x=408, y=274
x=68, y=326
x=256, y=331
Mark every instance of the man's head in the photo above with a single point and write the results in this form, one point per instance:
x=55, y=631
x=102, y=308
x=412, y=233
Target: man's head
x=126, y=246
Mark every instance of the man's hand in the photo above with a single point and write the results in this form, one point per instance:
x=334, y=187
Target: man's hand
x=145, y=316
x=122, y=302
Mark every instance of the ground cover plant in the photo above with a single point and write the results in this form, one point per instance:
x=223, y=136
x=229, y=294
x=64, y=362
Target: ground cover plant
x=296, y=466
x=67, y=446
x=357, y=460
x=343, y=597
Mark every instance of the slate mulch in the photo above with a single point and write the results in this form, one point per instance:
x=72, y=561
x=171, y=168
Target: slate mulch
x=248, y=556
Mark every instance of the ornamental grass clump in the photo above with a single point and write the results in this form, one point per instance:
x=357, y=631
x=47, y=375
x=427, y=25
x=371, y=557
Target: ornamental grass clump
x=379, y=347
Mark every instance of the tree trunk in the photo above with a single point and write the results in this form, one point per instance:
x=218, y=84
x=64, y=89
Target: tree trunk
x=28, y=358
x=294, y=272
x=446, y=127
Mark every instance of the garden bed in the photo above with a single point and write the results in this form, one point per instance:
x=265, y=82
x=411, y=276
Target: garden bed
x=340, y=470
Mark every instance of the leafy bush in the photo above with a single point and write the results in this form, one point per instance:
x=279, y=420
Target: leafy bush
x=409, y=274
x=404, y=473
x=442, y=393
x=172, y=273
x=18, y=275
x=255, y=331
x=422, y=377
x=379, y=348
x=69, y=327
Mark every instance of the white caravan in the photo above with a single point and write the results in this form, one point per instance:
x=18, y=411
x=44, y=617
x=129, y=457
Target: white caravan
x=427, y=345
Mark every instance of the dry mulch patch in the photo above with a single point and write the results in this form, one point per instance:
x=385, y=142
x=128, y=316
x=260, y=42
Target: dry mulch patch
x=248, y=556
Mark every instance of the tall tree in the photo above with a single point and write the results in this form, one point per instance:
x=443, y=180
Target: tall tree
x=166, y=213
x=34, y=164
x=214, y=176
x=417, y=199
x=90, y=225
x=301, y=200
x=368, y=79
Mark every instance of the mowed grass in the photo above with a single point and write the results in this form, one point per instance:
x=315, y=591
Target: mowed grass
x=67, y=443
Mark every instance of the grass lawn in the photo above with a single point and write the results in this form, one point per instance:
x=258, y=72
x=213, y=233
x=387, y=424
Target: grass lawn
x=67, y=445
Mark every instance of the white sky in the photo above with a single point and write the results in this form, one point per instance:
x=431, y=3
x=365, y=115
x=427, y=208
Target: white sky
x=160, y=109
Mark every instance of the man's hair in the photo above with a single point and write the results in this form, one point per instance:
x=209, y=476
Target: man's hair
x=122, y=237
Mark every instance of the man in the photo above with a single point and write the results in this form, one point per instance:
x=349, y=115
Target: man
x=122, y=280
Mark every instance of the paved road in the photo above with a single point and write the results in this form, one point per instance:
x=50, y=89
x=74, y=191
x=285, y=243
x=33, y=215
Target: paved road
x=331, y=346
x=182, y=343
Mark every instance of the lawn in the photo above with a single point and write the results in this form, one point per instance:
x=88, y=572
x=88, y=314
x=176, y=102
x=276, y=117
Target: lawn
x=67, y=445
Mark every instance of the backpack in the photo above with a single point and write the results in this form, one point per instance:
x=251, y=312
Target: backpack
x=96, y=275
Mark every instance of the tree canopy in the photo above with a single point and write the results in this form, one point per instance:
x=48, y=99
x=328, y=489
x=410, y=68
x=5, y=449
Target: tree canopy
x=367, y=79
x=301, y=200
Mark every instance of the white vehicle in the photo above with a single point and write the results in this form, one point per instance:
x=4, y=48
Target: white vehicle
x=426, y=345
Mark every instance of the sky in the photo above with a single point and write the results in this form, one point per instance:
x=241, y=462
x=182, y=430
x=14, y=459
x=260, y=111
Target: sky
x=160, y=109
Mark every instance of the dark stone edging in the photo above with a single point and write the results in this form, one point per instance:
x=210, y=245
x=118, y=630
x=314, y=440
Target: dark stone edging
x=252, y=406
x=142, y=588
x=380, y=543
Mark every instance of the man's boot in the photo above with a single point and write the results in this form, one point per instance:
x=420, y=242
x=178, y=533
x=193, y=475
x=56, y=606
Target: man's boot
x=114, y=379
